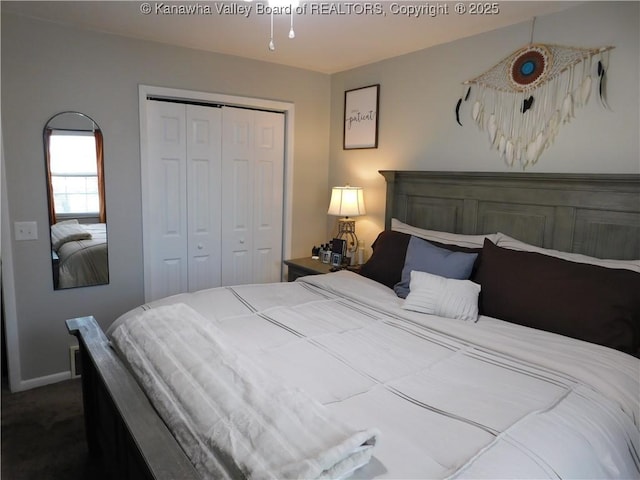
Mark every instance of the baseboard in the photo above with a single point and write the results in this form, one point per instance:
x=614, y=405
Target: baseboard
x=42, y=381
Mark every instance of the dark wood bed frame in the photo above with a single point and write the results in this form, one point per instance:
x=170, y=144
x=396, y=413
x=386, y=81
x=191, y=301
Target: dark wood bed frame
x=597, y=215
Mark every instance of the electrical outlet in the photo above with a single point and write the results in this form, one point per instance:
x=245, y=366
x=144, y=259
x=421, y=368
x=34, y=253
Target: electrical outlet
x=26, y=230
x=74, y=358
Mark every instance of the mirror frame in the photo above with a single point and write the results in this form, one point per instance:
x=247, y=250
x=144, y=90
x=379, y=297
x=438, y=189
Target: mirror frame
x=93, y=244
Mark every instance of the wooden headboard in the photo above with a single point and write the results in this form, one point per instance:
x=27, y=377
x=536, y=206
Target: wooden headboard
x=596, y=215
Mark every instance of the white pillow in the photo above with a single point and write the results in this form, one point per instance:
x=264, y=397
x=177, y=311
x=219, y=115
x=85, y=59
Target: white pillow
x=445, y=297
x=470, y=241
x=68, y=231
x=505, y=241
x=73, y=221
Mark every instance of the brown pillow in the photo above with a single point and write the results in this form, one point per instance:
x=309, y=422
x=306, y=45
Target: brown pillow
x=588, y=302
x=387, y=260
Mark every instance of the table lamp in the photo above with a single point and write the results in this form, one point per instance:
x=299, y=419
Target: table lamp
x=347, y=202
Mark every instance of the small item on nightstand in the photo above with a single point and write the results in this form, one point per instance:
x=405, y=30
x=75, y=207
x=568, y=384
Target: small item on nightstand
x=360, y=252
x=315, y=252
x=326, y=254
x=339, y=245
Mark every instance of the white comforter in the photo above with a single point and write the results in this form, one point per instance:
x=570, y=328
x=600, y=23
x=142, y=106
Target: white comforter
x=450, y=398
x=232, y=418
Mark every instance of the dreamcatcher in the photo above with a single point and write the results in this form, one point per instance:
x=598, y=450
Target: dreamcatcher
x=522, y=101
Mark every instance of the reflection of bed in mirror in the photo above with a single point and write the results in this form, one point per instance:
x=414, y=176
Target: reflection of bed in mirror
x=80, y=254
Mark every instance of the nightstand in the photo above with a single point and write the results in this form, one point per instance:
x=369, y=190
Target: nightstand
x=299, y=267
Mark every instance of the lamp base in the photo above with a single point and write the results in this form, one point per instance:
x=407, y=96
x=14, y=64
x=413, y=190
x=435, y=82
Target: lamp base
x=346, y=226
x=347, y=232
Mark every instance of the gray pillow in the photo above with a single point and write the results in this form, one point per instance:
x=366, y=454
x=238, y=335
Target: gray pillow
x=423, y=256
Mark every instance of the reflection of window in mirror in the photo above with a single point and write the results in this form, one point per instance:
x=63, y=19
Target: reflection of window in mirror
x=74, y=173
x=74, y=159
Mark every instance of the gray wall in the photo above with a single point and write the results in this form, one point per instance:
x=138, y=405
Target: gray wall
x=48, y=68
x=418, y=93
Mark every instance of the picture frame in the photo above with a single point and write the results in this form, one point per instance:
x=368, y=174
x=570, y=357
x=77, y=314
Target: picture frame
x=361, y=117
x=339, y=245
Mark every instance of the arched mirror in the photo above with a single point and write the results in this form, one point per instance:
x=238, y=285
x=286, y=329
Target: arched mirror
x=77, y=215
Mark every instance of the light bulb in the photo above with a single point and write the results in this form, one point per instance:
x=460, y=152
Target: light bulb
x=272, y=46
x=292, y=34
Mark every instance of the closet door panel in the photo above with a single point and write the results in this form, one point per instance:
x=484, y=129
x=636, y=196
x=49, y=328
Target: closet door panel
x=165, y=210
x=237, y=195
x=204, y=150
x=269, y=194
x=170, y=276
x=238, y=199
x=263, y=268
x=237, y=215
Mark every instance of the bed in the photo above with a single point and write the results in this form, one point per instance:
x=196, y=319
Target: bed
x=434, y=385
x=81, y=254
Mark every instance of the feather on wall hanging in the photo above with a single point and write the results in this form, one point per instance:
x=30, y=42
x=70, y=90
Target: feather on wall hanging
x=523, y=100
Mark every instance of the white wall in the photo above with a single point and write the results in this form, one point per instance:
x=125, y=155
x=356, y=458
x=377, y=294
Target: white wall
x=418, y=93
x=48, y=68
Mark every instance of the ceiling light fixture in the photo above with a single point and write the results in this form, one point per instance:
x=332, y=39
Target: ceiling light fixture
x=282, y=6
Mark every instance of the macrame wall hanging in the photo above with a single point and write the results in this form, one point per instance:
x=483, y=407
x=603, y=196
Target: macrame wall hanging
x=522, y=101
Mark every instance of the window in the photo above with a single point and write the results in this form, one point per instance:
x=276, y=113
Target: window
x=74, y=172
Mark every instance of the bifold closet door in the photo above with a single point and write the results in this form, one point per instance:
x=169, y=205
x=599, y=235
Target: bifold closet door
x=252, y=195
x=181, y=201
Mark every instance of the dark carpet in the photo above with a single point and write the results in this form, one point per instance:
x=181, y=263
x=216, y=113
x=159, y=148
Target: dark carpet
x=43, y=434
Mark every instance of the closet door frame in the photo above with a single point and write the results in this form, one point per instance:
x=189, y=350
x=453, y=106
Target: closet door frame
x=287, y=108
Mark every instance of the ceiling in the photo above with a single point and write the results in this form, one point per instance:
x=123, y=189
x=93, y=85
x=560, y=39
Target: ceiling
x=338, y=38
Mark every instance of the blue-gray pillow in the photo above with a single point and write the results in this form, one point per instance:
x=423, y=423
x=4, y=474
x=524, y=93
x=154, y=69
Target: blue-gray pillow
x=426, y=257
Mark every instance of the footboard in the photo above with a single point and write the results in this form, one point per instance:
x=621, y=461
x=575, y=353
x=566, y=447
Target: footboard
x=124, y=433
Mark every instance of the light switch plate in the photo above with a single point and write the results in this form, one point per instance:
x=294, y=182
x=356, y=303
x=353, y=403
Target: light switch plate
x=26, y=230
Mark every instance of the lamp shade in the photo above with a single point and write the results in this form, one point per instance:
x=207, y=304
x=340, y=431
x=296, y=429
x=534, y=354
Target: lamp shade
x=347, y=202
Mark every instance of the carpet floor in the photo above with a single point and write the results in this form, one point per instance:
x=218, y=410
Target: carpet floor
x=43, y=434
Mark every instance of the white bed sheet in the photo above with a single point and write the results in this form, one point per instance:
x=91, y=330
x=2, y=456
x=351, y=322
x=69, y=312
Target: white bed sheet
x=451, y=399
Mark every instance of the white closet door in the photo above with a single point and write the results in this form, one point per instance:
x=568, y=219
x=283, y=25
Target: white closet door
x=165, y=212
x=204, y=149
x=268, y=202
x=252, y=192
x=181, y=213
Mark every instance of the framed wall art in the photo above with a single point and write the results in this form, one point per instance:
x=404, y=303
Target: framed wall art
x=361, y=117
